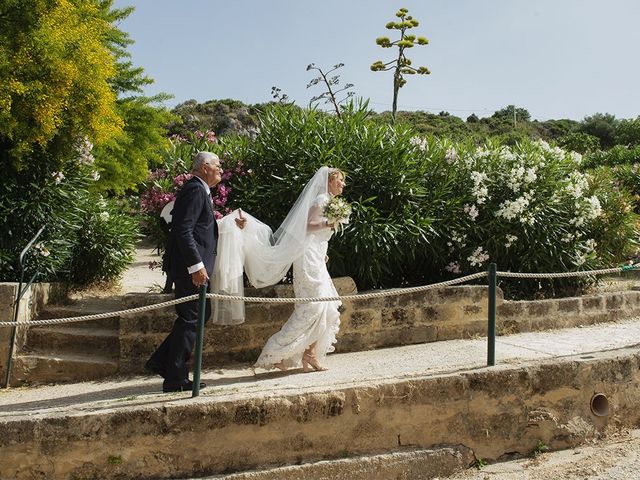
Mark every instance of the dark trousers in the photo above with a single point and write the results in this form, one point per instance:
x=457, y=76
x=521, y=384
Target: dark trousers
x=174, y=352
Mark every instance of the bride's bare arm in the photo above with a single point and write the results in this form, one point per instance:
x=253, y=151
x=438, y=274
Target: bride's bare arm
x=316, y=221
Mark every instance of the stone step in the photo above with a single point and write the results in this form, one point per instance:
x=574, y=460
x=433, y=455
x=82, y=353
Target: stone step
x=411, y=463
x=69, y=339
x=40, y=368
x=68, y=311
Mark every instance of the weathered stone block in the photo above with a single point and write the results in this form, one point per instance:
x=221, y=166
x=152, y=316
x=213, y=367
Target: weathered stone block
x=569, y=305
x=595, y=303
x=511, y=309
x=392, y=317
x=359, y=320
x=540, y=308
x=614, y=301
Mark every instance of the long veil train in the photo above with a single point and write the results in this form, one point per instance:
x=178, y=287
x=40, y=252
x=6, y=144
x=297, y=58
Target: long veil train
x=264, y=256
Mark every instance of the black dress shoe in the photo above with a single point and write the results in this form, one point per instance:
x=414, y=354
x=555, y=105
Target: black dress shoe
x=180, y=387
x=154, y=368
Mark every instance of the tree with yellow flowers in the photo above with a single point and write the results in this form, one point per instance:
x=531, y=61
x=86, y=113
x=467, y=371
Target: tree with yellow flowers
x=55, y=68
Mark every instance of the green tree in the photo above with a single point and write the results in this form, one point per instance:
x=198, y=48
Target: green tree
x=401, y=65
x=55, y=71
x=123, y=160
x=511, y=113
x=603, y=126
x=628, y=132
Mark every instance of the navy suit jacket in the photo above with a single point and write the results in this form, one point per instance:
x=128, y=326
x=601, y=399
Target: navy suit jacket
x=194, y=230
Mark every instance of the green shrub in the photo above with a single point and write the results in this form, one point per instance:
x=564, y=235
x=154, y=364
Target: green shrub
x=425, y=209
x=60, y=200
x=617, y=155
x=105, y=244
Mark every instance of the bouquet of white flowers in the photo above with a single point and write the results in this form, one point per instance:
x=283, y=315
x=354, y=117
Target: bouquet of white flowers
x=337, y=212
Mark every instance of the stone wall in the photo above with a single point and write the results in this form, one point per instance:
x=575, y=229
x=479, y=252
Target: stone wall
x=433, y=315
x=33, y=301
x=495, y=412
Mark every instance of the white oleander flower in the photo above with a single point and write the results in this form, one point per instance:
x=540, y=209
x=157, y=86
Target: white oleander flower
x=510, y=209
x=419, y=142
x=42, y=250
x=478, y=257
x=104, y=216
x=451, y=155
x=472, y=211
x=95, y=176
x=453, y=267
x=479, y=190
x=510, y=240
x=590, y=245
x=576, y=157
x=57, y=177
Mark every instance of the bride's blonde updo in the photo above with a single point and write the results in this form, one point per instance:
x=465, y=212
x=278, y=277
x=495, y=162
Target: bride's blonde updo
x=335, y=172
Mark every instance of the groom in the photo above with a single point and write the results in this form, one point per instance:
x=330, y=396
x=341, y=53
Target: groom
x=191, y=253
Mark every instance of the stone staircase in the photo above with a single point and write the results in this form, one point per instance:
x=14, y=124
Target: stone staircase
x=120, y=345
x=70, y=352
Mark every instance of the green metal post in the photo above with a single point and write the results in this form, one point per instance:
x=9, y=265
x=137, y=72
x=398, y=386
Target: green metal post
x=199, y=341
x=491, y=334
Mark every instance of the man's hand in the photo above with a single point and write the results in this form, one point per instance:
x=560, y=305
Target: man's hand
x=241, y=222
x=200, y=277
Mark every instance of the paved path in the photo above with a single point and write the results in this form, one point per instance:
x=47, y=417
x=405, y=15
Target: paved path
x=345, y=370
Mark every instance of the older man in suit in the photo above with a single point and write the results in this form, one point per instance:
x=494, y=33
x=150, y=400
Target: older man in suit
x=192, y=253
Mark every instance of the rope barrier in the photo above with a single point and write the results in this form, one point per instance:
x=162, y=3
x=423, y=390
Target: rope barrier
x=565, y=274
x=360, y=296
x=218, y=296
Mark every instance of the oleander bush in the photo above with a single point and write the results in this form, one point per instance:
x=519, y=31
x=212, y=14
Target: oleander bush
x=86, y=238
x=426, y=209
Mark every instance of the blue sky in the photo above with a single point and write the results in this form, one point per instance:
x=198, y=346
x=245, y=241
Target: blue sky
x=556, y=58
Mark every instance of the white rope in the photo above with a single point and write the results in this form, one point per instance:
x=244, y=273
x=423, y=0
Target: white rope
x=359, y=296
x=563, y=274
x=362, y=296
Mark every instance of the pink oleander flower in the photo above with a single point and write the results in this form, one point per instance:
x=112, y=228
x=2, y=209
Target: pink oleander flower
x=154, y=200
x=181, y=179
x=198, y=134
x=217, y=214
x=157, y=174
x=211, y=136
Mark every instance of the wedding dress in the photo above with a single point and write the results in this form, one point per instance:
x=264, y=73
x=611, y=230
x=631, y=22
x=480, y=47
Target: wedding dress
x=301, y=240
x=310, y=322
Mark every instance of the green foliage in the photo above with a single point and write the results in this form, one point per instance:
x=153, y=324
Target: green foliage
x=628, y=132
x=541, y=447
x=79, y=243
x=114, y=459
x=603, y=126
x=401, y=65
x=579, y=142
x=219, y=116
x=617, y=155
x=55, y=69
x=426, y=208
x=122, y=160
x=511, y=113
x=105, y=244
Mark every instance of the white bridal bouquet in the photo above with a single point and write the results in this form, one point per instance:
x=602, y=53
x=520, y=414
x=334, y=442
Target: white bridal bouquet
x=337, y=211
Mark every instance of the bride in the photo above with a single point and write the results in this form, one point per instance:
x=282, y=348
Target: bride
x=302, y=240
